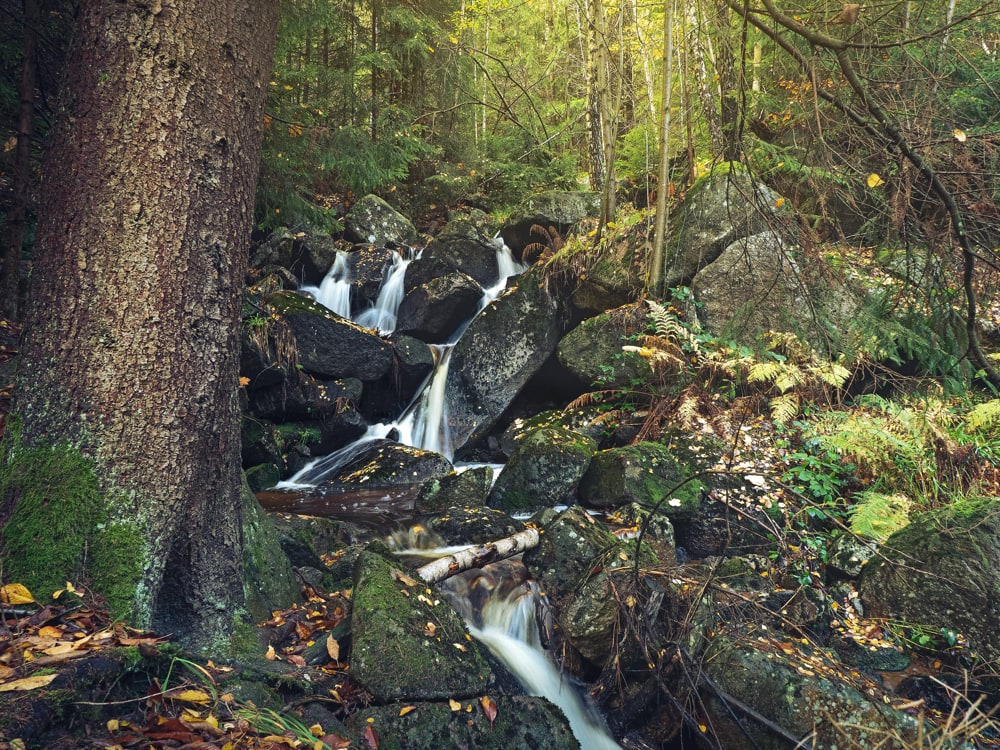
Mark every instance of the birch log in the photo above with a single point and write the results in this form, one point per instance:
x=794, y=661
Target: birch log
x=478, y=556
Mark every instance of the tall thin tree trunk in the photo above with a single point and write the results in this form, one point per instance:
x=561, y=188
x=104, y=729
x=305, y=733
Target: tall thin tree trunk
x=10, y=282
x=656, y=261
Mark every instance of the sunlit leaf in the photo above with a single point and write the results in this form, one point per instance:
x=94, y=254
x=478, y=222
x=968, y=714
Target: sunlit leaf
x=959, y=135
x=193, y=696
x=874, y=181
x=454, y=704
x=489, y=707
x=15, y=593
x=406, y=709
x=28, y=683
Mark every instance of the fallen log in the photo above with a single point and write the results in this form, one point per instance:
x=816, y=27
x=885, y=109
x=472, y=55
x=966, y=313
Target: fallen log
x=478, y=556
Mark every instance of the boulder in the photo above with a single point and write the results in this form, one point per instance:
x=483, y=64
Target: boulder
x=413, y=362
x=716, y=528
x=754, y=286
x=434, y=311
x=503, y=347
x=720, y=208
x=368, y=266
x=303, y=396
x=268, y=580
x=543, y=470
x=396, y=654
x=644, y=473
x=473, y=525
x=384, y=464
x=459, y=490
x=463, y=247
x=592, y=351
x=306, y=255
x=552, y=208
x=942, y=571
x=328, y=345
x=522, y=723
x=374, y=221
x=802, y=691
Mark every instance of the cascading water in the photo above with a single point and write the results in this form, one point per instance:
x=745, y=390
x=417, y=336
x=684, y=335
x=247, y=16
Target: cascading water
x=382, y=316
x=334, y=292
x=509, y=629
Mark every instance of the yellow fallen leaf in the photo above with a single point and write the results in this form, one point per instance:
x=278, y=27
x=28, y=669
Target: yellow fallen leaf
x=271, y=655
x=316, y=730
x=193, y=696
x=28, y=683
x=15, y=593
x=454, y=704
x=874, y=181
x=959, y=135
x=406, y=709
x=333, y=648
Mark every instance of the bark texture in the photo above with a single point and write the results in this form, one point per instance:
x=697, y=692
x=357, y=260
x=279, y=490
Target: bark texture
x=131, y=337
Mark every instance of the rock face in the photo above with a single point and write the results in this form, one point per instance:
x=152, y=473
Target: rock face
x=374, y=221
x=754, y=286
x=433, y=311
x=543, y=470
x=503, y=347
x=592, y=351
x=306, y=255
x=395, y=654
x=719, y=209
x=384, y=464
x=943, y=571
x=462, y=246
x=553, y=208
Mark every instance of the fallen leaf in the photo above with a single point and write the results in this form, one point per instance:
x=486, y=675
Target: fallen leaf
x=192, y=696
x=406, y=709
x=489, y=707
x=15, y=593
x=333, y=648
x=454, y=704
x=28, y=683
x=874, y=181
x=371, y=738
x=271, y=655
x=400, y=576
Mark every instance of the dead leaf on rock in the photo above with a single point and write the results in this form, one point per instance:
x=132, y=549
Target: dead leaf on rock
x=28, y=683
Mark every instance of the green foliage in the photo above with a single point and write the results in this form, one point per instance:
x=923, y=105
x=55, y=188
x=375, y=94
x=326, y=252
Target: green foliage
x=876, y=515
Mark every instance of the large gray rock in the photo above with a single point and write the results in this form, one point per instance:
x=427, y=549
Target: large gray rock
x=384, y=464
x=268, y=580
x=786, y=686
x=468, y=489
x=753, y=287
x=553, y=208
x=720, y=208
x=503, y=347
x=543, y=470
x=462, y=246
x=368, y=266
x=433, y=311
x=395, y=654
x=942, y=571
x=592, y=351
x=374, y=221
x=307, y=255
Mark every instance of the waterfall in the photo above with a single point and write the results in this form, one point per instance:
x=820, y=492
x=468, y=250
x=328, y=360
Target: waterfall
x=334, y=292
x=383, y=315
x=510, y=631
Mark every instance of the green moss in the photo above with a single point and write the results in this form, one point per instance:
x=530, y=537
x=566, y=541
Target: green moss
x=59, y=529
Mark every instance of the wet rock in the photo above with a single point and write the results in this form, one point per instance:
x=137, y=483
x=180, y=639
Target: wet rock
x=943, y=571
x=463, y=247
x=721, y=529
x=644, y=473
x=433, y=311
x=552, y=208
x=848, y=555
x=374, y=221
x=395, y=654
x=386, y=398
x=592, y=351
x=268, y=580
x=330, y=346
x=719, y=209
x=502, y=348
x=467, y=490
x=384, y=464
x=544, y=470
x=473, y=525
x=368, y=266
x=522, y=723
x=307, y=255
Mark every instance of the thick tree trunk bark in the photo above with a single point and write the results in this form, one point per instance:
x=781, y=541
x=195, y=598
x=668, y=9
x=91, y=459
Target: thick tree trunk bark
x=131, y=344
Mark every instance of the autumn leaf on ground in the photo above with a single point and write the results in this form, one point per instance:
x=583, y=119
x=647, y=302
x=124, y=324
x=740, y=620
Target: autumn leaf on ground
x=489, y=708
x=874, y=181
x=454, y=704
x=371, y=738
x=28, y=683
x=333, y=648
x=15, y=593
x=406, y=709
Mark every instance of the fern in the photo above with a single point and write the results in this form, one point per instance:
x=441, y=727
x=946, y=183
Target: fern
x=785, y=407
x=984, y=417
x=877, y=515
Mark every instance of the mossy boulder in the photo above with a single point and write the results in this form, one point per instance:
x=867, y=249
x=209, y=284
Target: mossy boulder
x=543, y=470
x=473, y=525
x=457, y=490
x=592, y=351
x=463, y=246
x=374, y=221
x=268, y=580
x=522, y=723
x=942, y=571
x=644, y=473
x=811, y=702
x=733, y=528
x=396, y=654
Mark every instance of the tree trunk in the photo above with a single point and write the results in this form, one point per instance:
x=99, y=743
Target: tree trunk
x=131, y=343
x=10, y=282
x=477, y=557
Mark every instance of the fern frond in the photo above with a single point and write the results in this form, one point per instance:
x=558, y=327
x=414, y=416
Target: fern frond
x=831, y=373
x=877, y=516
x=688, y=410
x=789, y=377
x=764, y=372
x=984, y=416
x=785, y=407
